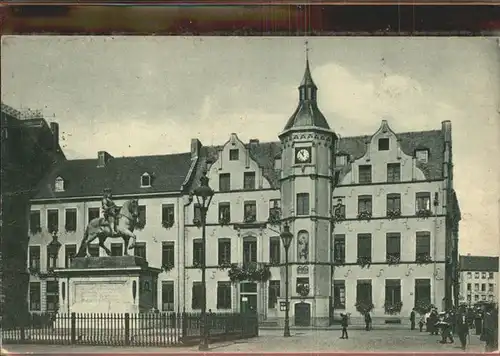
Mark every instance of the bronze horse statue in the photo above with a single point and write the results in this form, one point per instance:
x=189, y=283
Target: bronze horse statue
x=99, y=228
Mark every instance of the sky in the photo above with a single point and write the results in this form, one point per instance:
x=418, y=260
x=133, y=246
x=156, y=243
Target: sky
x=151, y=95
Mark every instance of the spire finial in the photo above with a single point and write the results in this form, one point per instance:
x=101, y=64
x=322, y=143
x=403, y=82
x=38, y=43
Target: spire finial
x=307, y=50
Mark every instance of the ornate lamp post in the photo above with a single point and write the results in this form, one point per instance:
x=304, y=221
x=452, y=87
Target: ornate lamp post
x=204, y=196
x=286, y=237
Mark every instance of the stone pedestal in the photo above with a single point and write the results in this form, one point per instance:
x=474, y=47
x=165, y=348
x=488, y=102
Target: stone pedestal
x=121, y=284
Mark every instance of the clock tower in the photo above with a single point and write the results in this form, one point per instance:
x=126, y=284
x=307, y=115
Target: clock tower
x=308, y=146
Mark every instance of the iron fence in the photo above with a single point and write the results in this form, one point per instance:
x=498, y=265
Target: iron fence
x=147, y=329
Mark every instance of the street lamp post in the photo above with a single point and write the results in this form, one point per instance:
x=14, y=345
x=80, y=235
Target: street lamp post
x=204, y=195
x=286, y=237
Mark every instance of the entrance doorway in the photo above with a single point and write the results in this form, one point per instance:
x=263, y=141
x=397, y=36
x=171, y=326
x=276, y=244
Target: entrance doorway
x=302, y=314
x=248, y=297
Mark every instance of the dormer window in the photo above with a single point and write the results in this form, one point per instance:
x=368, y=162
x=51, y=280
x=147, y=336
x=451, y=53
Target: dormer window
x=383, y=144
x=145, y=180
x=422, y=155
x=59, y=184
x=341, y=160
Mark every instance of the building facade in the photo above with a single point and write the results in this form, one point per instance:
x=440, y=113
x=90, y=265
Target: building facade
x=374, y=219
x=478, y=279
x=29, y=148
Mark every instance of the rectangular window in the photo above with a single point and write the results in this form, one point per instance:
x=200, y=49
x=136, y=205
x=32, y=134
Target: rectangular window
x=224, y=182
x=365, y=247
x=423, y=291
x=35, y=226
x=51, y=260
x=93, y=213
x=167, y=296
x=476, y=298
x=301, y=282
x=339, y=294
x=476, y=287
x=249, y=180
x=234, y=154
x=34, y=257
x=249, y=251
x=93, y=250
x=392, y=291
x=393, y=204
x=383, y=144
x=365, y=204
x=303, y=204
x=168, y=254
x=198, y=253
x=273, y=295
x=393, y=246
x=224, y=251
x=423, y=247
x=250, y=212
x=52, y=296
x=365, y=174
x=490, y=275
x=167, y=215
x=224, y=213
x=69, y=254
x=364, y=291
x=197, y=295
x=142, y=215
x=490, y=288
x=423, y=201
x=483, y=275
x=140, y=250
x=393, y=172
x=469, y=274
x=53, y=220
x=339, y=249
x=483, y=287
x=274, y=250
x=70, y=220
x=116, y=249
x=223, y=295
x=476, y=275
x=35, y=296
x=274, y=210
x=469, y=286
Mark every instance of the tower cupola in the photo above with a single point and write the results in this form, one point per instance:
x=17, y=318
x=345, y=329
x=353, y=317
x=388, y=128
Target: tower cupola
x=307, y=113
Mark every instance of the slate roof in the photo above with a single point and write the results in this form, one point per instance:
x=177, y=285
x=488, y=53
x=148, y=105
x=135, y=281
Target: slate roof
x=479, y=263
x=83, y=178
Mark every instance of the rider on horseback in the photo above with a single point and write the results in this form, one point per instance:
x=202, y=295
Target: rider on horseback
x=109, y=209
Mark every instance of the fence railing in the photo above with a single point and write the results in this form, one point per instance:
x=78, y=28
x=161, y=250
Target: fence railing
x=148, y=329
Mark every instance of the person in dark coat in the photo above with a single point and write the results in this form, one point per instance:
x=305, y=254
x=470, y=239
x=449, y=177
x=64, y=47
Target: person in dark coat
x=446, y=329
x=478, y=321
x=368, y=321
x=344, y=322
x=490, y=329
x=462, y=327
x=412, y=319
x=433, y=319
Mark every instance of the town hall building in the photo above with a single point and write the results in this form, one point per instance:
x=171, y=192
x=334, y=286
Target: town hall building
x=374, y=219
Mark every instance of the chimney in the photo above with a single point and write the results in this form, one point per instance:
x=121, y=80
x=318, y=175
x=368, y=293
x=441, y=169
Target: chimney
x=254, y=141
x=103, y=158
x=195, y=148
x=54, y=127
x=446, y=128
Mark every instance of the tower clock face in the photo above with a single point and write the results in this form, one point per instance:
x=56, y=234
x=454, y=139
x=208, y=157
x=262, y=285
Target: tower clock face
x=303, y=155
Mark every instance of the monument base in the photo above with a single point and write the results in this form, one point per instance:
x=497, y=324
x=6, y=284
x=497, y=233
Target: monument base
x=118, y=284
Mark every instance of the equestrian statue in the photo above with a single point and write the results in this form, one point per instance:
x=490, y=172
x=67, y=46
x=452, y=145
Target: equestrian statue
x=115, y=223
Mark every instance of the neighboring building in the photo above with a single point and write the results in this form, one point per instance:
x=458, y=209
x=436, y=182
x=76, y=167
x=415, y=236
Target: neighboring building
x=478, y=279
x=374, y=218
x=29, y=149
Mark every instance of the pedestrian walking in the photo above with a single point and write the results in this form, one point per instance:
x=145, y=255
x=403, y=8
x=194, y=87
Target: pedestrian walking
x=462, y=328
x=490, y=329
x=344, y=322
x=446, y=333
x=412, y=319
x=421, y=322
x=368, y=321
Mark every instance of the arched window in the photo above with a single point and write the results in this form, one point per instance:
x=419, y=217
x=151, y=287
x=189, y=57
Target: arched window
x=59, y=184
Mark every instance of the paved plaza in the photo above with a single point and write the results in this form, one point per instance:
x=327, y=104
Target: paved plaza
x=300, y=341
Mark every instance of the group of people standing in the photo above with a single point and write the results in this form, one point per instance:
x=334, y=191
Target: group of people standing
x=459, y=321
